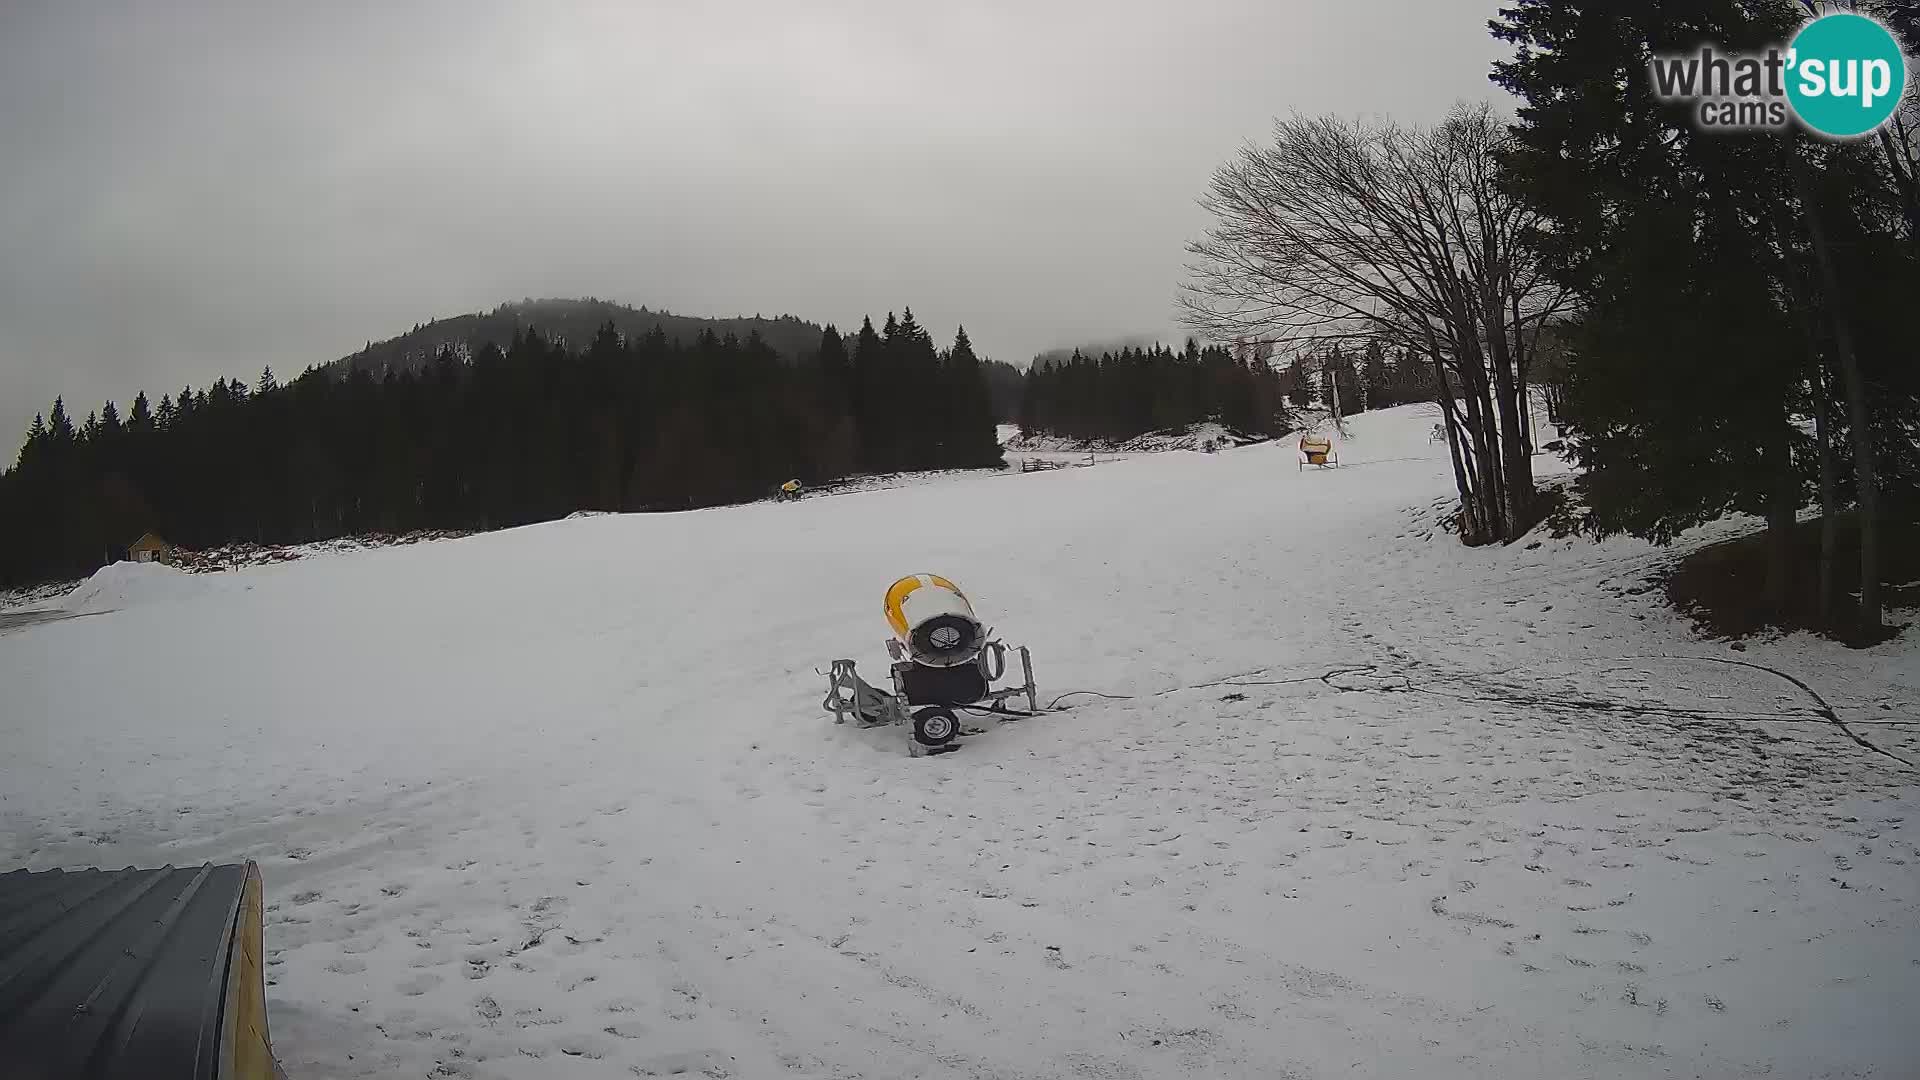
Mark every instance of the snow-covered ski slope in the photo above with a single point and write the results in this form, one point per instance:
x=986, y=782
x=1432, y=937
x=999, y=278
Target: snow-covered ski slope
x=561, y=802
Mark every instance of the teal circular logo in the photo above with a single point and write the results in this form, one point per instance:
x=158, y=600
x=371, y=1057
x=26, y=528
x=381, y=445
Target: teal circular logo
x=1845, y=75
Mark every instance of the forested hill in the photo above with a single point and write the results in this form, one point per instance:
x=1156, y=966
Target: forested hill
x=571, y=322
x=1065, y=353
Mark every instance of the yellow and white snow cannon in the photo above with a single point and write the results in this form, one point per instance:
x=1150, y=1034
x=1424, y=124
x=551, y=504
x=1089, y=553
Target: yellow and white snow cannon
x=944, y=659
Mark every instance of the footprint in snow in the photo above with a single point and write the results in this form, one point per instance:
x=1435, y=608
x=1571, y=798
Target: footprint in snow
x=534, y=1017
x=709, y=1063
x=419, y=984
x=626, y=1030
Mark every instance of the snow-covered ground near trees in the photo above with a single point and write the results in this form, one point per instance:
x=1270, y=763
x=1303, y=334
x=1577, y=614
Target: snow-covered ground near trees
x=1191, y=437
x=560, y=801
x=34, y=596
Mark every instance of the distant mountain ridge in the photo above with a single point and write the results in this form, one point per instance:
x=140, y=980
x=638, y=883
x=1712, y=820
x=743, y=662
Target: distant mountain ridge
x=575, y=322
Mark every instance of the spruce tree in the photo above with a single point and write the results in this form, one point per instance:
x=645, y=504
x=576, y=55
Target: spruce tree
x=1411, y=378
x=1375, y=384
x=915, y=375
x=975, y=440
x=1299, y=383
x=835, y=368
x=60, y=427
x=1674, y=237
x=36, y=441
x=873, y=407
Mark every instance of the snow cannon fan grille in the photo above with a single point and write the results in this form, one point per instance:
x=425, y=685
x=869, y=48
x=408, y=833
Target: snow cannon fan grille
x=946, y=641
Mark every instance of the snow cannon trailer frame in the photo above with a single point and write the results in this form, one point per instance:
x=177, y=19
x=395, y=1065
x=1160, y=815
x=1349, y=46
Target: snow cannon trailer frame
x=944, y=662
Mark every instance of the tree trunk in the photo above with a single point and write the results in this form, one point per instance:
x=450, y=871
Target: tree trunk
x=1859, y=415
x=1829, y=527
x=1802, y=303
x=1483, y=448
x=1517, y=463
x=1783, y=505
x=1471, y=527
x=1523, y=355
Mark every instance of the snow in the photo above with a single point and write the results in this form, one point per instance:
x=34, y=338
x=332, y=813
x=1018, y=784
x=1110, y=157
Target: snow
x=561, y=800
x=1190, y=437
x=128, y=584
x=27, y=597
x=890, y=481
x=242, y=553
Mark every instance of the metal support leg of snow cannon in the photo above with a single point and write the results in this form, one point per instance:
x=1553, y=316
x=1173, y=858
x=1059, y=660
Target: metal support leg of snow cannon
x=1026, y=667
x=836, y=704
x=848, y=695
x=996, y=700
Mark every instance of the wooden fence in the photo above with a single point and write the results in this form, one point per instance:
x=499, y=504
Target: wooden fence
x=1038, y=465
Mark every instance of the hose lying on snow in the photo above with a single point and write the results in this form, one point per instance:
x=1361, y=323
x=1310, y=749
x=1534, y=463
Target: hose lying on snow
x=869, y=701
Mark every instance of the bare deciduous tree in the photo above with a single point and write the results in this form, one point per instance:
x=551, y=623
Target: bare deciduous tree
x=1344, y=229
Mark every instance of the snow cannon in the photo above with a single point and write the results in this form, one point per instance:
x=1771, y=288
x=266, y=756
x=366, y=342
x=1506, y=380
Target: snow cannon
x=933, y=622
x=945, y=660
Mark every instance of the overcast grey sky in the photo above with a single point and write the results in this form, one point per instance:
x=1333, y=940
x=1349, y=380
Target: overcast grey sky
x=191, y=190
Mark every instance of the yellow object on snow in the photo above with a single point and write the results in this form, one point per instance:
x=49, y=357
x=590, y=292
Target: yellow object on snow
x=934, y=620
x=1317, y=450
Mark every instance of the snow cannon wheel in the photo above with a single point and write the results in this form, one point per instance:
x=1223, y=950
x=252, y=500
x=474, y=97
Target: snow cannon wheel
x=935, y=726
